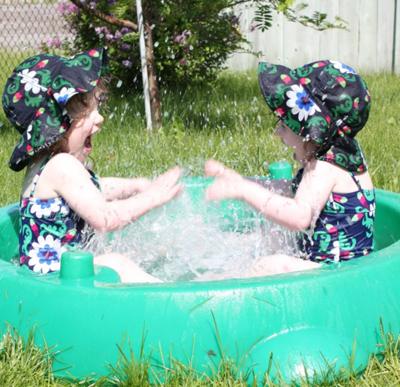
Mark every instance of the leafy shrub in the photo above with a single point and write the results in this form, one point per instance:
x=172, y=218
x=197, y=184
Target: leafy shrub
x=192, y=39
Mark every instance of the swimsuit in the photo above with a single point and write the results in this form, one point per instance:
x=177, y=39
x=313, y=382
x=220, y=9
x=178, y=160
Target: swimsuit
x=344, y=228
x=48, y=228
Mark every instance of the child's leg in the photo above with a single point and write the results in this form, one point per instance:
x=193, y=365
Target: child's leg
x=128, y=271
x=269, y=265
x=279, y=263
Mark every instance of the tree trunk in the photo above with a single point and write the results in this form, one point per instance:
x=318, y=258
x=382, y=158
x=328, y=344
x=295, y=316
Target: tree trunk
x=151, y=70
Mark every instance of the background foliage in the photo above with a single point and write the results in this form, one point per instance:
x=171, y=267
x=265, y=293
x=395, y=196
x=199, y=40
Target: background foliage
x=192, y=39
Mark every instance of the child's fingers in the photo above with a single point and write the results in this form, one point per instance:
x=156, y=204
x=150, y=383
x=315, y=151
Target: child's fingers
x=215, y=192
x=169, y=177
x=213, y=168
x=176, y=190
x=170, y=193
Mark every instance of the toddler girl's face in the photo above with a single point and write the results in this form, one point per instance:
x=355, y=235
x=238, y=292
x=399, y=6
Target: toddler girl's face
x=292, y=140
x=79, y=136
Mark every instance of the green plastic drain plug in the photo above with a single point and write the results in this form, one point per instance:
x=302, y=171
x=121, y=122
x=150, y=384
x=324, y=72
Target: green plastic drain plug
x=76, y=265
x=280, y=170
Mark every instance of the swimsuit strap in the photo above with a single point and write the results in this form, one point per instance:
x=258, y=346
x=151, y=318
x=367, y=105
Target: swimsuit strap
x=356, y=181
x=36, y=178
x=94, y=178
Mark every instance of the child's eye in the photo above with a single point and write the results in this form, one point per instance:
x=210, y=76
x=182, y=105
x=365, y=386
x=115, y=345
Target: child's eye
x=101, y=98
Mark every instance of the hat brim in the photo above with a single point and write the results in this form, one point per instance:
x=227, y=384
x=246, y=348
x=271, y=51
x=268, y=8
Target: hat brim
x=49, y=120
x=289, y=98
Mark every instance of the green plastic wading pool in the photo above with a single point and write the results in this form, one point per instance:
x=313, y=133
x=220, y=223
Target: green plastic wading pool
x=306, y=320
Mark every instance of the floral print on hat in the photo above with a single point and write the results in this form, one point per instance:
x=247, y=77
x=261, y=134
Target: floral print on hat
x=36, y=93
x=324, y=101
x=301, y=103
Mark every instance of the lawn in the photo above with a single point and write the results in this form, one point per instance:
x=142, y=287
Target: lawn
x=228, y=121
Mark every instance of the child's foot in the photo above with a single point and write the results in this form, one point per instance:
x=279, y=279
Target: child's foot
x=277, y=264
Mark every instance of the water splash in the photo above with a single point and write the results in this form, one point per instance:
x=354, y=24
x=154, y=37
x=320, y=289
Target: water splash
x=191, y=239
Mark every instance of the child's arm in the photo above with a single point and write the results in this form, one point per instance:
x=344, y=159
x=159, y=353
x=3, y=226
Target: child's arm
x=121, y=188
x=69, y=179
x=296, y=214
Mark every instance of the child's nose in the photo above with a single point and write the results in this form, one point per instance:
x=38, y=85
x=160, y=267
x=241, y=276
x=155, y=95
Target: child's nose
x=100, y=119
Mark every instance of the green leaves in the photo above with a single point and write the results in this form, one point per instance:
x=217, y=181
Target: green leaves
x=192, y=39
x=263, y=17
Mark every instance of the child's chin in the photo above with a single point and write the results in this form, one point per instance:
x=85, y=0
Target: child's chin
x=86, y=151
x=83, y=155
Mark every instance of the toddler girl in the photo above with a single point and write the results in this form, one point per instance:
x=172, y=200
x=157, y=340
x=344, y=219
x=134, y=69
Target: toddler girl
x=53, y=102
x=320, y=107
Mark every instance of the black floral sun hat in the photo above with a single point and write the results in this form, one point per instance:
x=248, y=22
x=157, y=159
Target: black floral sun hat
x=324, y=101
x=36, y=93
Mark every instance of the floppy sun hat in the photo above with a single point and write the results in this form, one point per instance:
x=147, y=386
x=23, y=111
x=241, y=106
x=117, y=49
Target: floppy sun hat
x=324, y=101
x=36, y=93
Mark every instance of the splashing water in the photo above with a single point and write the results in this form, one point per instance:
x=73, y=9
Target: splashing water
x=190, y=239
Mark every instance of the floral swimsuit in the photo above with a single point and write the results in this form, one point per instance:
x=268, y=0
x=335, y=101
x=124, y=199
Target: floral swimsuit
x=48, y=228
x=344, y=228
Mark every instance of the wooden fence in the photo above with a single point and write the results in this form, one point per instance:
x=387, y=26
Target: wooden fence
x=367, y=44
x=371, y=42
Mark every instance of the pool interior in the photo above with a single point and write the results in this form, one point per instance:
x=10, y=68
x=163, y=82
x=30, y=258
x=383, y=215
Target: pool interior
x=234, y=217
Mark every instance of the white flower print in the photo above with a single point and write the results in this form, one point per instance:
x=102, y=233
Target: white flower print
x=44, y=208
x=29, y=132
x=344, y=69
x=64, y=95
x=372, y=208
x=64, y=209
x=46, y=254
x=301, y=103
x=31, y=83
x=335, y=251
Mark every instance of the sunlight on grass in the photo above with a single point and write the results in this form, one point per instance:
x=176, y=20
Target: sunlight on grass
x=228, y=121
x=23, y=363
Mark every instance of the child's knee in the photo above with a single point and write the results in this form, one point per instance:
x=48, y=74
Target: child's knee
x=128, y=271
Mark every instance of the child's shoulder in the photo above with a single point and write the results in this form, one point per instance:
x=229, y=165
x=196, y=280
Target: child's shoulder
x=64, y=165
x=320, y=168
x=64, y=161
x=319, y=173
x=339, y=178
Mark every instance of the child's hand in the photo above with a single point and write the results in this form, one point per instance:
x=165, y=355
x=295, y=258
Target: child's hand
x=141, y=184
x=165, y=187
x=227, y=184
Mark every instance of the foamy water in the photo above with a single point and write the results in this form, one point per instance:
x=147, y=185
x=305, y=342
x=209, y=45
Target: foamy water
x=192, y=240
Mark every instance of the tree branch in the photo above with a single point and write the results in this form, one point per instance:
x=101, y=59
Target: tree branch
x=237, y=2
x=107, y=18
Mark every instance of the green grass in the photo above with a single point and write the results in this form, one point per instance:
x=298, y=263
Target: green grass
x=22, y=363
x=228, y=121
